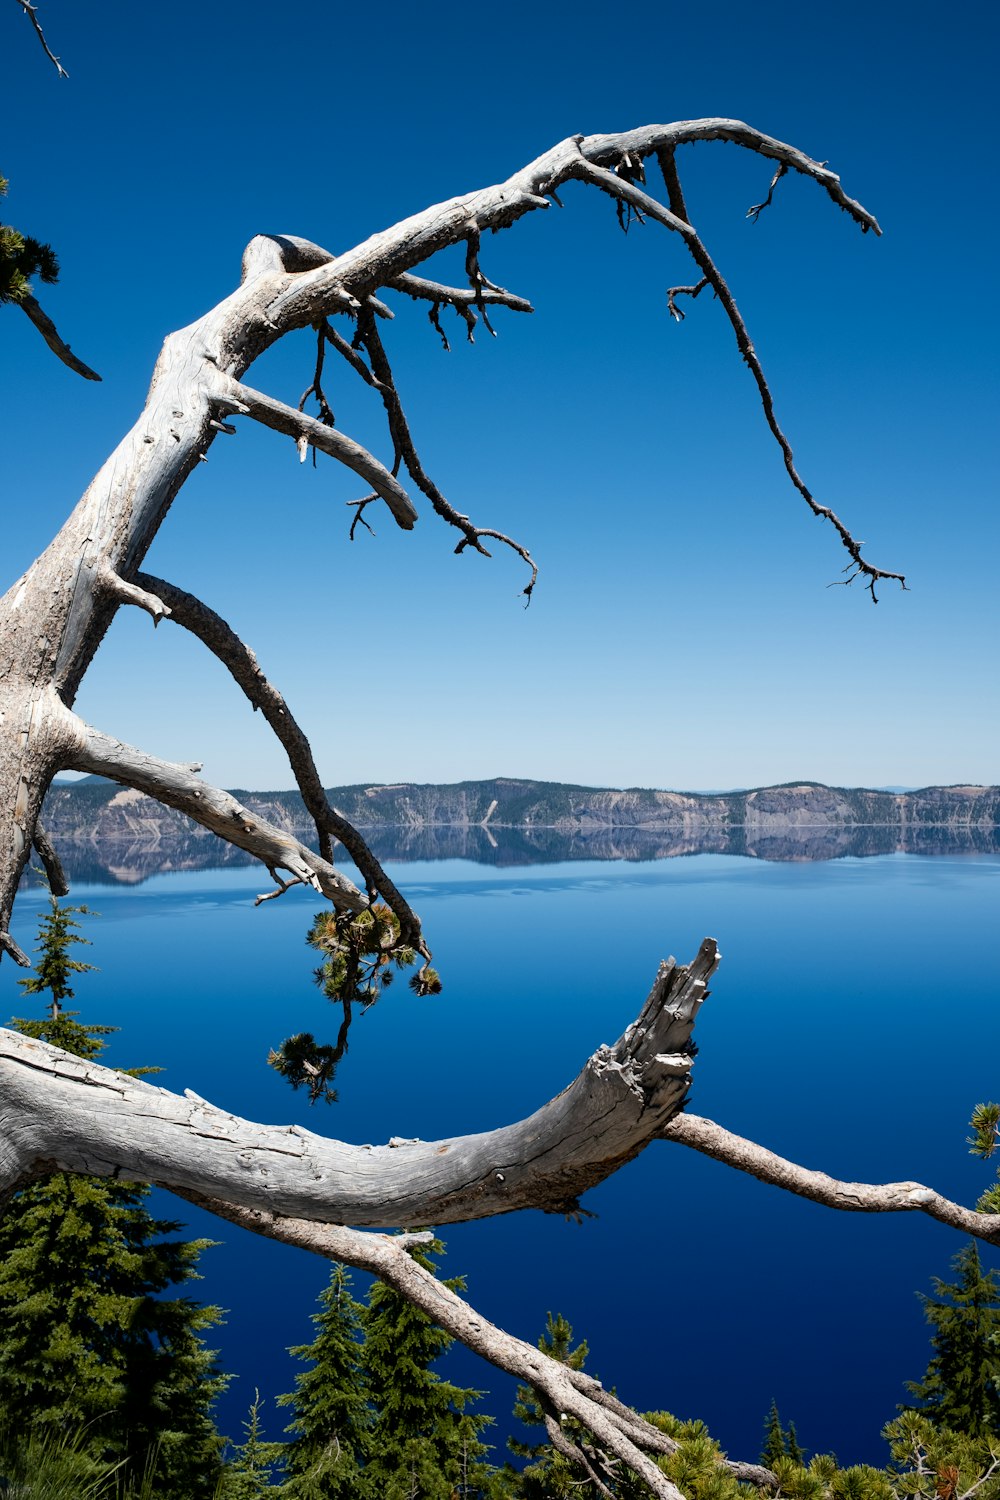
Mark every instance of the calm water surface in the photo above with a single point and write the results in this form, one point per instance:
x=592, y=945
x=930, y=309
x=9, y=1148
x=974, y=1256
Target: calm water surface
x=852, y=1025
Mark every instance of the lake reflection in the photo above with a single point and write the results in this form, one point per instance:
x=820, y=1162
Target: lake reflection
x=852, y=1026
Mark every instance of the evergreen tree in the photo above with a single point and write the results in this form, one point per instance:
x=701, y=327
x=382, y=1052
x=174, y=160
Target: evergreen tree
x=775, y=1443
x=549, y=1473
x=959, y=1389
x=935, y=1463
x=332, y=1426
x=423, y=1445
x=58, y=932
x=780, y=1442
x=88, y=1343
x=247, y=1475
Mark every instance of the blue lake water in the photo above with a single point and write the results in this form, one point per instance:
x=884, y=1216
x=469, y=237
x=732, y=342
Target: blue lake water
x=852, y=1025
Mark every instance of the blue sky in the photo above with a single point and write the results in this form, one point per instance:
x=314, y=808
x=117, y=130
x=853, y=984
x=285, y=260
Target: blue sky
x=682, y=632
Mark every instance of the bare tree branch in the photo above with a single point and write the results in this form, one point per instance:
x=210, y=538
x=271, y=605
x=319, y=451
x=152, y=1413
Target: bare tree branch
x=756, y=209
x=419, y=287
x=619, y=1430
x=853, y=1197
x=46, y=851
x=381, y=377
x=241, y=662
x=282, y=418
x=859, y=564
x=50, y=334
x=57, y=1108
x=129, y=593
x=31, y=11
x=179, y=786
x=17, y=953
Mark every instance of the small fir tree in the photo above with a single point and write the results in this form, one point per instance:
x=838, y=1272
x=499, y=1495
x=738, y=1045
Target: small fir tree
x=935, y=1463
x=549, y=1473
x=959, y=1389
x=331, y=1431
x=88, y=1343
x=775, y=1444
x=780, y=1442
x=248, y=1473
x=58, y=932
x=423, y=1443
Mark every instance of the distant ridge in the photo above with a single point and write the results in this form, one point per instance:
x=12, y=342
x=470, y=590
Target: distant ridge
x=97, y=809
x=111, y=834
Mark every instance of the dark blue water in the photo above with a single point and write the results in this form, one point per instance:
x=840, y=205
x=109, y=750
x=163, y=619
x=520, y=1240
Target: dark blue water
x=852, y=1025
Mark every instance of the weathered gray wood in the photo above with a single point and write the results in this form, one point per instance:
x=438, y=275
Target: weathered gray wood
x=53, y=619
x=55, y=1108
x=851, y=1197
x=219, y=811
x=60, y=1111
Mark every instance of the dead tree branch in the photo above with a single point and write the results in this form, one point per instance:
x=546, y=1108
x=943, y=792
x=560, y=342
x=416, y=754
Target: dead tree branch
x=852, y=1197
x=57, y=1108
x=859, y=564
x=54, y=872
x=31, y=11
x=307, y=430
x=756, y=209
x=419, y=287
x=50, y=334
x=69, y=596
x=179, y=786
x=620, y=1432
x=382, y=378
x=241, y=662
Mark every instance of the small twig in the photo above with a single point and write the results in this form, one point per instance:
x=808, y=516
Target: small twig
x=631, y=170
x=435, y=317
x=282, y=886
x=359, y=509
x=316, y=388
x=683, y=291
x=756, y=209
x=31, y=12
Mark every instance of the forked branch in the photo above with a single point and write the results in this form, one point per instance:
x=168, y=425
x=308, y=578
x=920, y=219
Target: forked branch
x=241, y=662
x=381, y=377
x=180, y=786
x=622, y=1436
x=308, y=431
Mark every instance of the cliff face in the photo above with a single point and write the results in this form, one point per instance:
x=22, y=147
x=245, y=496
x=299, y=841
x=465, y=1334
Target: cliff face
x=103, y=812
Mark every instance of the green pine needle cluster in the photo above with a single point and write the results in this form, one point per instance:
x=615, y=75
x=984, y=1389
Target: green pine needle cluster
x=22, y=257
x=361, y=952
